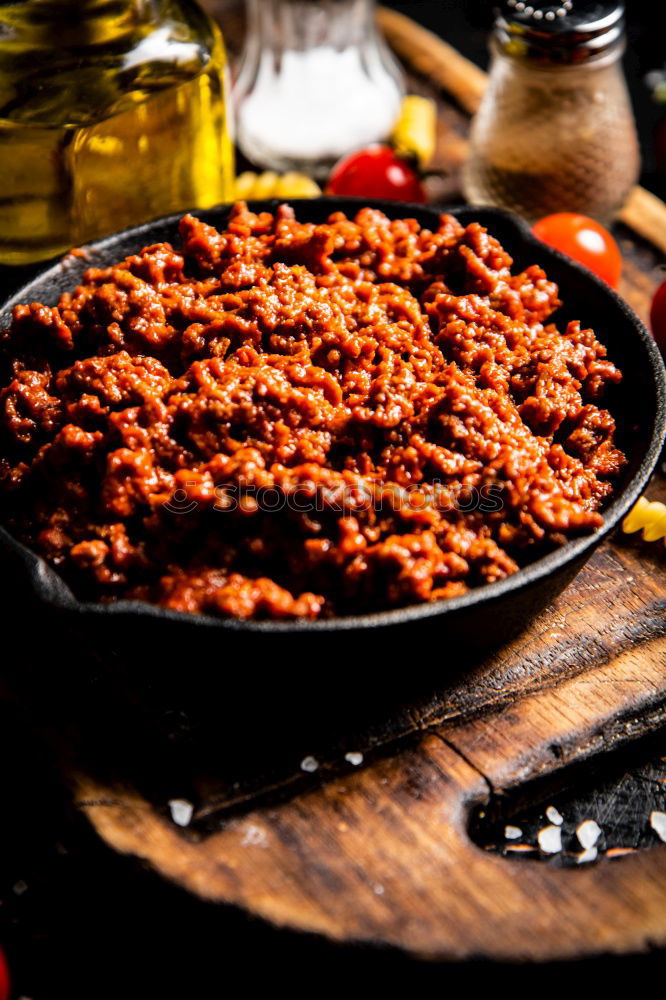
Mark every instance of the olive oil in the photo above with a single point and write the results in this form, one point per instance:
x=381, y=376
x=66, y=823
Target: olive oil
x=112, y=112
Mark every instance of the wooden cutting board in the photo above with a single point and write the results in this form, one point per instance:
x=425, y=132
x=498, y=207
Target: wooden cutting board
x=380, y=852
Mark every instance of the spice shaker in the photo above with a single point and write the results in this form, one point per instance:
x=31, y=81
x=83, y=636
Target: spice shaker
x=112, y=112
x=555, y=130
x=315, y=81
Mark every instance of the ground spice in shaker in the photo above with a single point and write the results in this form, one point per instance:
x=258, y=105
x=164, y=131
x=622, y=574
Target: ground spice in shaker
x=555, y=131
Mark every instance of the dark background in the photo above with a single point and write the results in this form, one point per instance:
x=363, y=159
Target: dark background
x=79, y=921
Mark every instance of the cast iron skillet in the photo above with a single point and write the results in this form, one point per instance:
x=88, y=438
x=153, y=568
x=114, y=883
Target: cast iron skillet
x=478, y=620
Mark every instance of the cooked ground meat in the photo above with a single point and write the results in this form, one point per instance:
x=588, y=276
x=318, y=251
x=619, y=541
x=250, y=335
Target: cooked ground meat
x=286, y=420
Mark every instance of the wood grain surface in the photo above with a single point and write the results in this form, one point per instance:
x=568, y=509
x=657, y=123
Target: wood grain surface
x=381, y=852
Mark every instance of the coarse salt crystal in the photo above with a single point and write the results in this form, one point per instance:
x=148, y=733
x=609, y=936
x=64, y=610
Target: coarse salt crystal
x=658, y=823
x=379, y=890
x=550, y=839
x=254, y=836
x=588, y=833
x=512, y=832
x=589, y=854
x=181, y=811
x=353, y=757
x=554, y=815
x=309, y=764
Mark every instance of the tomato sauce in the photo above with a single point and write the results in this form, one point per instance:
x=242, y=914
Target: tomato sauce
x=284, y=420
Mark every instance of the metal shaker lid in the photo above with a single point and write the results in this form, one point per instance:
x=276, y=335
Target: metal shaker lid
x=572, y=31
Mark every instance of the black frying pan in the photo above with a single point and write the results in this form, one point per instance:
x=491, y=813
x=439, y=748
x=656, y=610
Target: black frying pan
x=441, y=631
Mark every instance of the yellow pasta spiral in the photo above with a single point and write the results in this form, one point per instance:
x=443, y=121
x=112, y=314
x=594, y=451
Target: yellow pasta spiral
x=650, y=517
x=415, y=132
x=250, y=186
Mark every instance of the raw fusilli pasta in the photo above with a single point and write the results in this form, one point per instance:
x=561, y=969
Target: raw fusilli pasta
x=650, y=517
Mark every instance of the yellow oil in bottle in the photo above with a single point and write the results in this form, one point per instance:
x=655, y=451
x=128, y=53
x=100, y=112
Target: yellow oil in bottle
x=112, y=113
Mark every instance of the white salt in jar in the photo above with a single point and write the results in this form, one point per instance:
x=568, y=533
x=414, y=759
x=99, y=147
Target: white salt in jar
x=315, y=82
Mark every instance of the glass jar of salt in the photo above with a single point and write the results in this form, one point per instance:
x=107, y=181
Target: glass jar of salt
x=315, y=81
x=555, y=130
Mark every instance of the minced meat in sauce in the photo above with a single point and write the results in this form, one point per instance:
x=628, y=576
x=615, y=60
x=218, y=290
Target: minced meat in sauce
x=289, y=420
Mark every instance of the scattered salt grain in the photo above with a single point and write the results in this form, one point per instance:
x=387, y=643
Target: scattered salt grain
x=554, y=816
x=181, y=811
x=309, y=764
x=254, y=836
x=589, y=854
x=658, y=823
x=588, y=833
x=379, y=890
x=354, y=758
x=512, y=832
x=550, y=839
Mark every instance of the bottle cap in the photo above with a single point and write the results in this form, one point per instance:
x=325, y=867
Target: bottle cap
x=572, y=31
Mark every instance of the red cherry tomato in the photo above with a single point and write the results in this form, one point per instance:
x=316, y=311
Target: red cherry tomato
x=584, y=240
x=4, y=977
x=658, y=317
x=376, y=172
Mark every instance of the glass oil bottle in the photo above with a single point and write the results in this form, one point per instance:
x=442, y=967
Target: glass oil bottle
x=112, y=112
